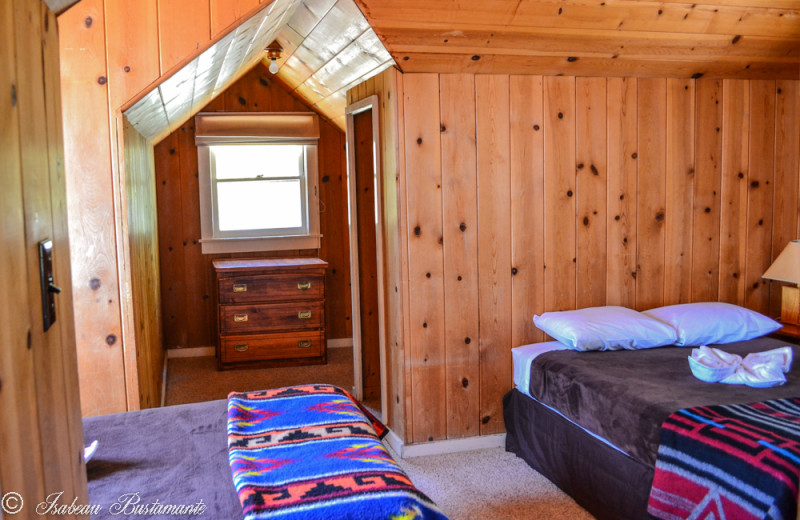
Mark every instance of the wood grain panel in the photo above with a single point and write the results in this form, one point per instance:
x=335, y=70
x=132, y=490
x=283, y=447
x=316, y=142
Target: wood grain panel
x=131, y=48
x=425, y=257
x=666, y=162
x=494, y=247
x=559, y=193
x=184, y=27
x=680, y=191
x=526, y=149
x=225, y=12
x=87, y=148
x=760, y=194
x=735, y=173
x=367, y=254
x=707, y=191
x=460, y=232
x=787, y=171
x=652, y=198
x=590, y=187
x=622, y=135
x=143, y=239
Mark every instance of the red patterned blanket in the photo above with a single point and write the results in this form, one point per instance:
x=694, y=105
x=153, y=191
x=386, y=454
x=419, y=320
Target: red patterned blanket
x=734, y=461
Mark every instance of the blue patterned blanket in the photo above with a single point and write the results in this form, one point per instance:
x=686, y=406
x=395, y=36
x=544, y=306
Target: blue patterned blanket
x=736, y=461
x=311, y=452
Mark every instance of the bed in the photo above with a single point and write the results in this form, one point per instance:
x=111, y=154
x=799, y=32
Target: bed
x=302, y=452
x=590, y=421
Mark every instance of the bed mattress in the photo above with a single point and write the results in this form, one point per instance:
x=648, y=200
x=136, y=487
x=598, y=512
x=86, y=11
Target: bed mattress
x=624, y=396
x=175, y=458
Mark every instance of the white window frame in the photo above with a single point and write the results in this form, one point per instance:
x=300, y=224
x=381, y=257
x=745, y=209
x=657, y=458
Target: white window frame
x=225, y=128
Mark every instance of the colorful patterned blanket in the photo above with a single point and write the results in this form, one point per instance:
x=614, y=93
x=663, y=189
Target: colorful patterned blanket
x=734, y=461
x=312, y=452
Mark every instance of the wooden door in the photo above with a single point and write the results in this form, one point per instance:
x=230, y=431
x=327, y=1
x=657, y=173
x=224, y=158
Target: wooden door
x=367, y=255
x=41, y=437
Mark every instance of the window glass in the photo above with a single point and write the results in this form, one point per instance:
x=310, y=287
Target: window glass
x=257, y=161
x=264, y=204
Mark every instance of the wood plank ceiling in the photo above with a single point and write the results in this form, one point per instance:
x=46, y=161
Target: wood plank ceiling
x=328, y=48
x=667, y=38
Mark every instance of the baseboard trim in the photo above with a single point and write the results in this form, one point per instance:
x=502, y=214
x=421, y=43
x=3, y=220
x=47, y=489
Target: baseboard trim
x=173, y=353
x=164, y=383
x=408, y=451
x=340, y=343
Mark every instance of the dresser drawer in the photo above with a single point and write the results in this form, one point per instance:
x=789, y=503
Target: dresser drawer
x=269, y=317
x=237, y=349
x=272, y=287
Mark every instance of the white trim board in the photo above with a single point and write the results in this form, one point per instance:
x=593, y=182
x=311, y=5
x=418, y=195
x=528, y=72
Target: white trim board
x=408, y=451
x=190, y=352
x=340, y=343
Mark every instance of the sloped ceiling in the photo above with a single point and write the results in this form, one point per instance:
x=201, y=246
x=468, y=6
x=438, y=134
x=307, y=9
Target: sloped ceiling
x=328, y=48
x=677, y=38
x=328, y=44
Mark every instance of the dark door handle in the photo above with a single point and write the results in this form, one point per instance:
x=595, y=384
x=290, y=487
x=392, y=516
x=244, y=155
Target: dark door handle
x=53, y=288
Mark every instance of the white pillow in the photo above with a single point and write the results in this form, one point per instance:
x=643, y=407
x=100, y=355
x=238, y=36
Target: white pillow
x=605, y=328
x=713, y=323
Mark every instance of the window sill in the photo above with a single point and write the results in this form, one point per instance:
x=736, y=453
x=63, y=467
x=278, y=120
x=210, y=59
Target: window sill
x=212, y=246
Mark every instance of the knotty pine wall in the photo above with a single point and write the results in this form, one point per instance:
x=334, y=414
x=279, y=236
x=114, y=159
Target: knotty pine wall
x=187, y=284
x=525, y=194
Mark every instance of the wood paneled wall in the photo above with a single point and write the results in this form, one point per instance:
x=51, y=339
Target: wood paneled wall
x=187, y=284
x=41, y=437
x=526, y=194
x=140, y=187
x=112, y=52
x=388, y=86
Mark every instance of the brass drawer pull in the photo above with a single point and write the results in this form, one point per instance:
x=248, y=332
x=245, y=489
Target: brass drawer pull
x=304, y=343
x=240, y=287
x=239, y=318
x=242, y=347
x=304, y=315
x=304, y=286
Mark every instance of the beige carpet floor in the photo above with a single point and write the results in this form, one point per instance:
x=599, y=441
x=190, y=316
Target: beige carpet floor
x=482, y=484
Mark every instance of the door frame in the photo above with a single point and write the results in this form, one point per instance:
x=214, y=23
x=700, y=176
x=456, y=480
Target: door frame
x=369, y=103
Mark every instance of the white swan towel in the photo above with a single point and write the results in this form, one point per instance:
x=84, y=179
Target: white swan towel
x=760, y=370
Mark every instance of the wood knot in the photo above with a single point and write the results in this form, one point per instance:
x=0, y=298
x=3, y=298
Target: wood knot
x=741, y=175
x=465, y=382
x=572, y=59
x=580, y=166
x=536, y=127
x=634, y=155
x=486, y=419
x=101, y=80
x=569, y=193
x=594, y=170
x=242, y=101
x=427, y=275
x=405, y=58
x=88, y=21
x=696, y=75
x=585, y=221
x=514, y=271
x=459, y=278
x=425, y=325
x=462, y=227
x=754, y=184
x=94, y=284
x=419, y=140
x=736, y=39
x=616, y=217
x=476, y=58
x=708, y=210
x=660, y=216
x=467, y=341
x=111, y=339
x=417, y=231
x=442, y=128
x=126, y=68
x=561, y=115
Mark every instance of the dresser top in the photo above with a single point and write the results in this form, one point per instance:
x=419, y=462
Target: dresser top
x=246, y=264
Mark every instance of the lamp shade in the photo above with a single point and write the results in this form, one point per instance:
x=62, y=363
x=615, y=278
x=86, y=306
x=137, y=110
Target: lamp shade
x=786, y=268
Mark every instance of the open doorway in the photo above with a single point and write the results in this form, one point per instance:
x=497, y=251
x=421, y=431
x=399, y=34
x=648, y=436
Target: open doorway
x=366, y=252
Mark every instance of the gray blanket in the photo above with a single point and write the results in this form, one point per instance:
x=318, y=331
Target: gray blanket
x=624, y=396
x=177, y=455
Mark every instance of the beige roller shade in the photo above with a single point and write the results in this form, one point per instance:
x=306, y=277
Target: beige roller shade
x=255, y=127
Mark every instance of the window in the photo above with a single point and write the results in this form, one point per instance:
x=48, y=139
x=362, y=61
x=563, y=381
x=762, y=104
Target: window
x=258, y=182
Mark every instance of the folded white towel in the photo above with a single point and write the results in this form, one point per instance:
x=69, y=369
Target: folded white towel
x=760, y=370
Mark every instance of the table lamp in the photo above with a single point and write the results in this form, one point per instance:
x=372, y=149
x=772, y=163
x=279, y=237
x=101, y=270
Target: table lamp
x=786, y=268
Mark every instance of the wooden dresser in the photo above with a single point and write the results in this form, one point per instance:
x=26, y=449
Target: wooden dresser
x=271, y=312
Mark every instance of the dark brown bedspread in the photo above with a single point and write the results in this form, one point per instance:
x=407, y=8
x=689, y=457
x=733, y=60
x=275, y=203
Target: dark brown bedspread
x=624, y=396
